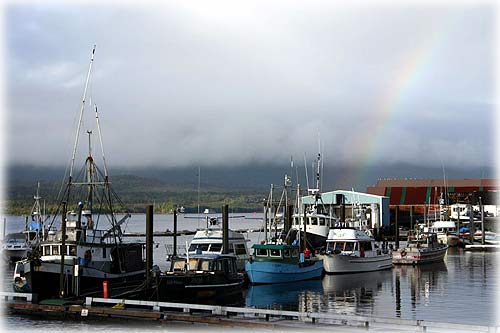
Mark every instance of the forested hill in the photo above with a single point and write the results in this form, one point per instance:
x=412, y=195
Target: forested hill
x=243, y=188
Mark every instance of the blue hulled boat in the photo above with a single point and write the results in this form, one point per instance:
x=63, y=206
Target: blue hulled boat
x=279, y=263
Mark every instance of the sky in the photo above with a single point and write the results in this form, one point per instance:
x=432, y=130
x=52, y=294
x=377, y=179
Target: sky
x=189, y=83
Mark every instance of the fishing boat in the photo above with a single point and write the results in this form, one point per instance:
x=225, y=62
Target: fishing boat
x=446, y=232
x=350, y=250
x=198, y=277
x=274, y=261
x=422, y=248
x=86, y=250
x=209, y=241
x=316, y=220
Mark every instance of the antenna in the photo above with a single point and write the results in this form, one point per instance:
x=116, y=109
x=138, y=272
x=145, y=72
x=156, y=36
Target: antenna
x=81, y=115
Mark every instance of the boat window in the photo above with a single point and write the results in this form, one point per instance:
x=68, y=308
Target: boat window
x=329, y=246
x=314, y=221
x=286, y=253
x=193, y=264
x=349, y=246
x=55, y=250
x=261, y=252
x=215, y=247
x=205, y=264
x=72, y=250
x=322, y=221
x=339, y=246
x=178, y=265
x=275, y=253
x=240, y=249
x=295, y=252
x=367, y=246
x=192, y=247
x=104, y=252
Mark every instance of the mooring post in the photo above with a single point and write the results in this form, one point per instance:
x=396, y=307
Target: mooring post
x=63, y=250
x=225, y=229
x=397, y=226
x=149, y=241
x=472, y=228
x=175, y=233
x=481, y=209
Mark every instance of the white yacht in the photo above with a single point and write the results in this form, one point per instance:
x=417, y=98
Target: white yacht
x=350, y=250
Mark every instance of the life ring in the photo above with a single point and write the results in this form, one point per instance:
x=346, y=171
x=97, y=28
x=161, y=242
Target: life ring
x=403, y=253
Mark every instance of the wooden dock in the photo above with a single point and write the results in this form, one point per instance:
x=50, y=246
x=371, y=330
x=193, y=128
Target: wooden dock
x=223, y=315
x=481, y=247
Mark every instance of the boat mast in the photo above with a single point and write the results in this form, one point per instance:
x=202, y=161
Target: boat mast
x=81, y=117
x=90, y=173
x=102, y=146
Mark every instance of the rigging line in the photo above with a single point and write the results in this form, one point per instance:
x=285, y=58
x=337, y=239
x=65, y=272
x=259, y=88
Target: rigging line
x=100, y=140
x=81, y=116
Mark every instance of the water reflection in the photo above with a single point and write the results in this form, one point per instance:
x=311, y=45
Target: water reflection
x=420, y=282
x=352, y=293
x=285, y=296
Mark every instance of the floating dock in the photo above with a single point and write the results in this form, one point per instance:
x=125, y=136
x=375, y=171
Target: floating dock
x=265, y=319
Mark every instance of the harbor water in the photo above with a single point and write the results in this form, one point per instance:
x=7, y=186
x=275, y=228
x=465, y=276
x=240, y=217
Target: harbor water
x=463, y=289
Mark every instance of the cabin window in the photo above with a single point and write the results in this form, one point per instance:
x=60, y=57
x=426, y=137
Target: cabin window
x=240, y=249
x=261, y=252
x=295, y=252
x=349, y=246
x=72, y=250
x=275, y=253
x=286, y=253
x=193, y=264
x=338, y=246
x=215, y=247
x=205, y=265
x=55, y=250
x=178, y=265
x=367, y=246
x=330, y=246
x=314, y=221
x=322, y=221
x=104, y=252
x=192, y=247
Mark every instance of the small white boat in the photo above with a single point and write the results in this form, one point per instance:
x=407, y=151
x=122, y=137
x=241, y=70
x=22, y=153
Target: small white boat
x=209, y=241
x=421, y=249
x=351, y=250
x=15, y=247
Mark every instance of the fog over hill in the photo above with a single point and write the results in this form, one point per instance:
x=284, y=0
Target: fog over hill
x=258, y=177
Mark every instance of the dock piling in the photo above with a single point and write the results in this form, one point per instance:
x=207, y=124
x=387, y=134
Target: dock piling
x=225, y=229
x=149, y=241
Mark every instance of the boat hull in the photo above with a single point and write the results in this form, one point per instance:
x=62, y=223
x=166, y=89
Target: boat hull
x=337, y=263
x=43, y=280
x=264, y=272
x=417, y=256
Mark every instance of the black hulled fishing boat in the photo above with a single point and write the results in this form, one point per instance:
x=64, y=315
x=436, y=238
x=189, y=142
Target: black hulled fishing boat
x=83, y=252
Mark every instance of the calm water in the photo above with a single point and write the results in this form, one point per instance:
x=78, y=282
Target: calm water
x=463, y=289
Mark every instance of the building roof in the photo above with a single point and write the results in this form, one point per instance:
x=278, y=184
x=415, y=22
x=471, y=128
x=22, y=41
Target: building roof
x=409, y=182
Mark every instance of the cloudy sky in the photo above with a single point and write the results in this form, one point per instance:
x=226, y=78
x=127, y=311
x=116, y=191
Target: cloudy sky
x=240, y=82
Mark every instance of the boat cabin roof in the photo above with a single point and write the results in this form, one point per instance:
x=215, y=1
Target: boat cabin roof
x=273, y=246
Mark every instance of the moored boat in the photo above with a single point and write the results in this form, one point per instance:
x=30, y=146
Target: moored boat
x=199, y=277
x=87, y=250
x=421, y=249
x=351, y=250
x=274, y=261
